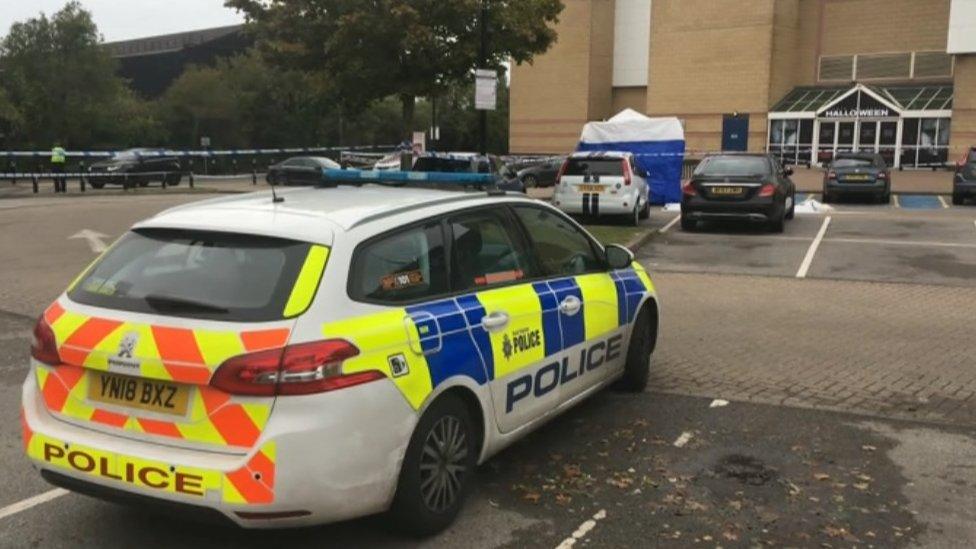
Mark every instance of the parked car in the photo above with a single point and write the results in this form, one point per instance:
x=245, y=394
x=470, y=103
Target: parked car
x=300, y=170
x=857, y=173
x=741, y=186
x=603, y=183
x=964, y=183
x=136, y=167
x=542, y=174
x=469, y=162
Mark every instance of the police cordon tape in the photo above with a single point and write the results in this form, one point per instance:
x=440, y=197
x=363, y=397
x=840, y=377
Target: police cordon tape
x=198, y=153
x=127, y=180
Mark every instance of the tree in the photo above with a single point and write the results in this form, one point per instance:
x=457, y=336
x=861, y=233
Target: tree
x=62, y=85
x=372, y=49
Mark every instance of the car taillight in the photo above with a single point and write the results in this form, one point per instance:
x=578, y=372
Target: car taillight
x=767, y=190
x=628, y=174
x=300, y=369
x=831, y=174
x=688, y=189
x=562, y=170
x=882, y=175
x=44, y=347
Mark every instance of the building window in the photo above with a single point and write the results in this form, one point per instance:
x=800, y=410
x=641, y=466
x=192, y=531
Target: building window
x=925, y=142
x=791, y=140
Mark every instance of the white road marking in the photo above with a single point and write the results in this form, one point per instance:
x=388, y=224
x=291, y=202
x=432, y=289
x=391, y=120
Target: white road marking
x=670, y=224
x=682, y=440
x=718, y=403
x=942, y=201
x=895, y=201
x=26, y=504
x=812, y=251
x=94, y=239
x=582, y=530
x=900, y=242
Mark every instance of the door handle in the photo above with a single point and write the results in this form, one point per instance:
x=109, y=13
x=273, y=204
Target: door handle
x=570, y=306
x=495, y=320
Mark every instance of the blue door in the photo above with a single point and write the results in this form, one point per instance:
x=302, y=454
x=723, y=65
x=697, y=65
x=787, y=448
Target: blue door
x=735, y=132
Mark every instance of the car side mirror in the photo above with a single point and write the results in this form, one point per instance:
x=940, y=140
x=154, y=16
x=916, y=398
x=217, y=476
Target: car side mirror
x=618, y=257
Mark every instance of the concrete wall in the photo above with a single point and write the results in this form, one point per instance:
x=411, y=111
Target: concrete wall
x=568, y=85
x=963, y=133
x=710, y=57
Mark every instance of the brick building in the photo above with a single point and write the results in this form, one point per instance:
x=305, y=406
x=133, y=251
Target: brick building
x=801, y=78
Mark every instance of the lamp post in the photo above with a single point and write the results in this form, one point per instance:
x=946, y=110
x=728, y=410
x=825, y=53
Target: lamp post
x=482, y=61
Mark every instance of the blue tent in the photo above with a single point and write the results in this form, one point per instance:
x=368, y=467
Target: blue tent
x=657, y=143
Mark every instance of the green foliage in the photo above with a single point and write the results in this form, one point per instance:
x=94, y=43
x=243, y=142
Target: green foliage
x=59, y=84
x=371, y=50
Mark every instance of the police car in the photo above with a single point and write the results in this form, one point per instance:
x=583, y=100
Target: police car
x=603, y=183
x=328, y=353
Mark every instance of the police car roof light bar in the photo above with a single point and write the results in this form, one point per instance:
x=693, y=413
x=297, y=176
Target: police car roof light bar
x=333, y=177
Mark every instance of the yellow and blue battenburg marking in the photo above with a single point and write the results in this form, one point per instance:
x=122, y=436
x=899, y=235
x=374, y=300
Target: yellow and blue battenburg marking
x=445, y=338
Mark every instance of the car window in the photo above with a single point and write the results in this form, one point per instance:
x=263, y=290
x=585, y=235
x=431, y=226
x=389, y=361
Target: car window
x=561, y=249
x=404, y=266
x=972, y=156
x=853, y=163
x=197, y=274
x=293, y=162
x=594, y=166
x=485, y=251
x=734, y=166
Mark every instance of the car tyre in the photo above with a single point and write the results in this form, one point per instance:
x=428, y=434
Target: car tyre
x=688, y=225
x=530, y=181
x=790, y=214
x=779, y=224
x=637, y=368
x=885, y=198
x=96, y=184
x=957, y=199
x=437, y=468
x=645, y=212
x=826, y=198
x=634, y=218
x=173, y=179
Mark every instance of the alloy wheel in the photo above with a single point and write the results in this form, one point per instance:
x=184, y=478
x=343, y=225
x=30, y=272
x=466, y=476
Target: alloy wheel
x=443, y=464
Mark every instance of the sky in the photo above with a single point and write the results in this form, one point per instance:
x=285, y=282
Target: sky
x=124, y=19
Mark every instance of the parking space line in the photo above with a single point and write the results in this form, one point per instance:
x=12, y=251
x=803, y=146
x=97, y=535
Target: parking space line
x=883, y=242
x=812, y=251
x=895, y=201
x=942, y=201
x=26, y=504
x=670, y=224
x=583, y=529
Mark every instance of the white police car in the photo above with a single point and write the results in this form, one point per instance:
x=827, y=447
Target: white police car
x=602, y=183
x=342, y=352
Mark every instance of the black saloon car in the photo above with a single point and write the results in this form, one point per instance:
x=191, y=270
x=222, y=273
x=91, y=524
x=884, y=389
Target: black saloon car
x=136, y=167
x=747, y=187
x=861, y=174
x=964, y=182
x=300, y=170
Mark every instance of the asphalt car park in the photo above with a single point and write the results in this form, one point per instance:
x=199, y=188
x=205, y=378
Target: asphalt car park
x=837, y=409
x=915, y=240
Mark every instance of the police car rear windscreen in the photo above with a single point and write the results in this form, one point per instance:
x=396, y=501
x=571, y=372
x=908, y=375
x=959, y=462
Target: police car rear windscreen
x=195, y=274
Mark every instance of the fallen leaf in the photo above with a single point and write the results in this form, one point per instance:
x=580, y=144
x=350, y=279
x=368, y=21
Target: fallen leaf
x=868, y=448
x=531, y=497
x=862, y=486
x=563, y=499
x=821, y=476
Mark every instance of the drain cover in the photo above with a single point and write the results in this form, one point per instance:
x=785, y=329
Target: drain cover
x=745, y=469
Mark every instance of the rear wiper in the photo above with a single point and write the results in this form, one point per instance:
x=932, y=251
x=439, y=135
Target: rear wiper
x=167, y=303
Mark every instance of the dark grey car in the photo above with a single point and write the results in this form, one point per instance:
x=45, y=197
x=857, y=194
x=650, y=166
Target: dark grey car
x=964, y=182
x=136, y=167
x=300, y=170
x=860, y=174
x=542, y=174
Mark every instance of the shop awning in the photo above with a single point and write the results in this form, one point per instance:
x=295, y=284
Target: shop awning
x=907, y=98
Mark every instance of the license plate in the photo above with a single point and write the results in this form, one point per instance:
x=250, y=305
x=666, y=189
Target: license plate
x=590, y=188
x=144, y=394
x=858, y=177
x=727, y=191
